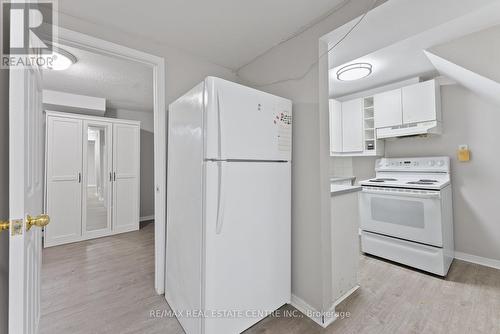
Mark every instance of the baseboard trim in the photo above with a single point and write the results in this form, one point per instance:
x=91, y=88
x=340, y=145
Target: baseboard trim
x=478, y=260
x=345, y=295
x=324, y=319
x=145, y=218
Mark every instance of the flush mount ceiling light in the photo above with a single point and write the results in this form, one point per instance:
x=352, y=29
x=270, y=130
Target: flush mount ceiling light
x=59, y=60
x=354, y=71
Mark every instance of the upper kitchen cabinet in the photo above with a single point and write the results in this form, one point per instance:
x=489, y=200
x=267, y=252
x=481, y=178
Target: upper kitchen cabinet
x=421, y=102
x=335, y=126
x=411, y=110
x=352, y=125
x=388, y=109
x=352, y=131
x=358, y=126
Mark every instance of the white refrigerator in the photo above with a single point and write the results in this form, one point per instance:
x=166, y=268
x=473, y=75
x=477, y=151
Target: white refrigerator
x=228, y=259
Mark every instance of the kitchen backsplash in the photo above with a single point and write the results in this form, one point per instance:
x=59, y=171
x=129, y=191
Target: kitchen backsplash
x=340, y=166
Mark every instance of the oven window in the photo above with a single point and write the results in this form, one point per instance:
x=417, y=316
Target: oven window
x=396, y=211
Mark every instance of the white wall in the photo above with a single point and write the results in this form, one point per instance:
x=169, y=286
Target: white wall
x=183, y=70
x=467, y=119
x=147, y=205
x=311, y=259
x=340, y=166
x=4, y=199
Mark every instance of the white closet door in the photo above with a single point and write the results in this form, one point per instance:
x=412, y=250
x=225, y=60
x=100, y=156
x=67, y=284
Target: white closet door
x=97, y=178
x=126, y=158
x=64, y=180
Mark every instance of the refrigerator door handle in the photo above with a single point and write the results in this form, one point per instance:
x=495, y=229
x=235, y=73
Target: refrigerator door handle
x=221, y=195
x=219, y=119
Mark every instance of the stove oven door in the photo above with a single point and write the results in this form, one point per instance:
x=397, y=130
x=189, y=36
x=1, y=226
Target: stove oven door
x=408, y=214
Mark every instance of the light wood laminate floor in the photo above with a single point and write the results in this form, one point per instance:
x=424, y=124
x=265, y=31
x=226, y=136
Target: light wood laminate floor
x=106, y=286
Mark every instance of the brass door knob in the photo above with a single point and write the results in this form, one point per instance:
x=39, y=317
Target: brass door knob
x=40, y=221
x=4, y=225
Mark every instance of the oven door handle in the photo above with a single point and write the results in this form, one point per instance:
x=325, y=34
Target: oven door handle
x=425, y=195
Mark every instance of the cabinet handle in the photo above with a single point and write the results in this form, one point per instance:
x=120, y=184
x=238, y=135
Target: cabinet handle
x=110, y=177
x=79, y=177
x=114, y=176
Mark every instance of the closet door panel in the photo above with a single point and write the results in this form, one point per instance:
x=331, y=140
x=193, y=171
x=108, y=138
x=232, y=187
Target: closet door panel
x=64, y=209
x=126, y=157
x=126, y=209
x=97, y=183
x=64, y=180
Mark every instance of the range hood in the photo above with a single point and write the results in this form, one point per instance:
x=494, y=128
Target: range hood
x=412, y=129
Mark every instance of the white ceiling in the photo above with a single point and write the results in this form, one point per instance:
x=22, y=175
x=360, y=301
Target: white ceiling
x=473, y=70
x=398, y=54
x=485, y=48
x=124, y=84
x=227, y=32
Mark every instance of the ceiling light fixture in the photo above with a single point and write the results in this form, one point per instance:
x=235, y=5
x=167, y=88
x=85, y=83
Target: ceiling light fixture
x=354, y=71
x=59, y=60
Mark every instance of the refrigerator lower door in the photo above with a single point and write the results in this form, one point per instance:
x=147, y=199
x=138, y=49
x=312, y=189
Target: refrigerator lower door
x=247, y=243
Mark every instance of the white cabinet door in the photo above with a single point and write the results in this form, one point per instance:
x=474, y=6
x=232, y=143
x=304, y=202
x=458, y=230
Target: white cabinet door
x=126, y=157
x=419, y=102
x=345, y=244
x=335, y=126
x=352, y=126
x=388, y=109
x=64, y=180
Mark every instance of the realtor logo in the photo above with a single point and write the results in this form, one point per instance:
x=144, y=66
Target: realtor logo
x=27, y=33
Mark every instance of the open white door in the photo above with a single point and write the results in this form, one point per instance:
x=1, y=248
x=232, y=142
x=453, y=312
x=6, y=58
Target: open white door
x=25, y=198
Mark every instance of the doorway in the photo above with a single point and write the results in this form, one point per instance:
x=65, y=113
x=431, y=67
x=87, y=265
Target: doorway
x=137, y=94
x=156, y=64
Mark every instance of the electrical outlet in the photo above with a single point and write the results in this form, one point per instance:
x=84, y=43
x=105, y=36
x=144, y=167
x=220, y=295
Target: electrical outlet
x=463, y=153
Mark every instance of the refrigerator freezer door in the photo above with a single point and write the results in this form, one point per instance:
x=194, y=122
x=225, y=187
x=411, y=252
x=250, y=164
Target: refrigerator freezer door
x=246, y=124
x=247, y=243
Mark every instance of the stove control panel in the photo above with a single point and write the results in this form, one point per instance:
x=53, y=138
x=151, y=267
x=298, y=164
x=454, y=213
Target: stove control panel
x=428, y=164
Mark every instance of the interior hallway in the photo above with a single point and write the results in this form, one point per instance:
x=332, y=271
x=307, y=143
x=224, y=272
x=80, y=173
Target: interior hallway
x=106, y=285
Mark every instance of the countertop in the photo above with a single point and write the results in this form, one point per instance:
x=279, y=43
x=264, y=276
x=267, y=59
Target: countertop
x=342, y=178
x=340, y=189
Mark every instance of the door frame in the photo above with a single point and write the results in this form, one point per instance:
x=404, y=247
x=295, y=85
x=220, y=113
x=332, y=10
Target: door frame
x=157, y=64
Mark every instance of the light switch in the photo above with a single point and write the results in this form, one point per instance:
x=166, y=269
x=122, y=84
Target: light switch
x=463, y=153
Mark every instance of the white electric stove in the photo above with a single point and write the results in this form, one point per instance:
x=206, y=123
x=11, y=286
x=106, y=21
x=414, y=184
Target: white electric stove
x=406, y=213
